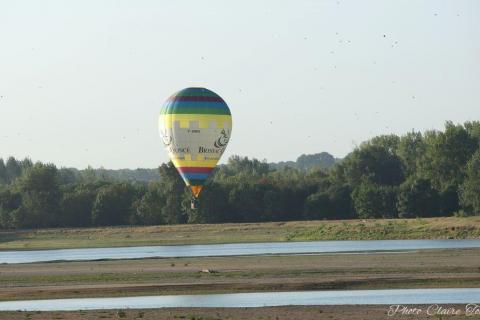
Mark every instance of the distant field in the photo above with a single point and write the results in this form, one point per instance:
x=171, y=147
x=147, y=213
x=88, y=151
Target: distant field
x=378, y=229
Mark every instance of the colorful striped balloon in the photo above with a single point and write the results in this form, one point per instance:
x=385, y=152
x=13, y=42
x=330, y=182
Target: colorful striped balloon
x=195, y=126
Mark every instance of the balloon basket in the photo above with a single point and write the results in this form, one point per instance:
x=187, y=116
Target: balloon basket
x=194, y=204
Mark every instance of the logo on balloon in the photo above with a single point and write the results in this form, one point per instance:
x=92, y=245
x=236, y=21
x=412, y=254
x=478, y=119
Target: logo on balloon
x=222, y=141
x=167, y=140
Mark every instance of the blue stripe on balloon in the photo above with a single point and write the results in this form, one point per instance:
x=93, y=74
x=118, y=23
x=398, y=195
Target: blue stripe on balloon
x=195, y=176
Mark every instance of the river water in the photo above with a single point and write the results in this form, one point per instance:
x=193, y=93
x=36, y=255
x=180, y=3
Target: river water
x=263, y=299
x=235, y=249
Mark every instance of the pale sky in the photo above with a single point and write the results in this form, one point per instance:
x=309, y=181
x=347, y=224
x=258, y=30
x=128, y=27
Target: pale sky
x=82, y=82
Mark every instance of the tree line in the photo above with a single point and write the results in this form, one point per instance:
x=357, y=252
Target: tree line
x=435, y=173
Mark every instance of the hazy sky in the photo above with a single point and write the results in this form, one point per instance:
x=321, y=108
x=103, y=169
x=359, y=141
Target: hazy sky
x=82, y=82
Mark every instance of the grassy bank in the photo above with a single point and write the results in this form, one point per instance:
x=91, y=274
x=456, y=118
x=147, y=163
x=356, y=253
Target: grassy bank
x=432, y=228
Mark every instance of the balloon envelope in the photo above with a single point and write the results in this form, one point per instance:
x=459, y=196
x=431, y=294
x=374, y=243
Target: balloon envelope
x=195, y=126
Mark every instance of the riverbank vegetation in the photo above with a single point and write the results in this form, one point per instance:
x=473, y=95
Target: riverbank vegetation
x=436, y=173
x=374, y=229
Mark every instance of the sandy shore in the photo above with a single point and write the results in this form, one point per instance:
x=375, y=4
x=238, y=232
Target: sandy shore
x=416, y=269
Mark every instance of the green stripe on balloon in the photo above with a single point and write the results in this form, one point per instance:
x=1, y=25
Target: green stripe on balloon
x=183, y=110
x=192, y=92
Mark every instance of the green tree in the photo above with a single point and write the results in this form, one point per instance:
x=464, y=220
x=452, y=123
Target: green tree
x=150, y=208
x=318, y=206
x=25, y=164
x=332, y=200
x=241, y=168
x=473, y=129
x=373, y=201
x=173, y=187
x=375, y=164
x=273, y=204
x=13, y=169
x=417, y=198
x=470, y=189
x=449, y=201
x=410, y=149
x=9, y=201
x=390, y=142
x=40, y=195
x=246, y=201
x=341, y=201
x=3, y=172
x=67, y=176
x=321, y=160
x=446, y=155
x=77, y=205
x=114, y=204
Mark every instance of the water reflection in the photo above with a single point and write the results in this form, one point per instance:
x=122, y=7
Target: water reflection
x=387, y=297
x=233, y=249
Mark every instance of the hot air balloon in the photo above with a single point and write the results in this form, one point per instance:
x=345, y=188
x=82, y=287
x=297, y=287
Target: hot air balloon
x=195, y=126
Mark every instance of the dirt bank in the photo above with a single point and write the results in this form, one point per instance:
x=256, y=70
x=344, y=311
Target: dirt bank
x=416, y=269
x=269, y=313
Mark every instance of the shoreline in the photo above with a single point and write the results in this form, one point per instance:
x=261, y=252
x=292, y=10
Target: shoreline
x=441, y=268
x=334, y=312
